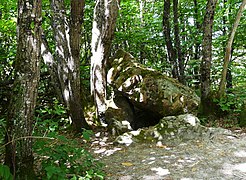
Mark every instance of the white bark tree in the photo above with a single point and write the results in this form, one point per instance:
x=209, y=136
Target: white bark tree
x=64, y=67
x=104, y=22
x=228, y=50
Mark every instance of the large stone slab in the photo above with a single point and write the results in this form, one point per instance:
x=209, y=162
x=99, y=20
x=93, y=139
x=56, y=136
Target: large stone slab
x=152, y=94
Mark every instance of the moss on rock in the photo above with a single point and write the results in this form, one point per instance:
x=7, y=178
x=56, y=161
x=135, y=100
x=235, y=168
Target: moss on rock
x=148, y=89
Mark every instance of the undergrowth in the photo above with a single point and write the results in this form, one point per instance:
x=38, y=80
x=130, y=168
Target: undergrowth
x=64, y=157
x=58, y=155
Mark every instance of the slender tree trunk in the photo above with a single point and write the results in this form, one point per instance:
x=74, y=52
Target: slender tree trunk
x=207, y=56
x=197, y=53
x=228, y=50
x=178, y=48
x=75, y=102
x=227, y=11
x=49, y=60
x=19, y=156
x=229, y=84
x=142, y=45
x=224, y=18
x=62, y=51
x=104, y=22
x=167, y=33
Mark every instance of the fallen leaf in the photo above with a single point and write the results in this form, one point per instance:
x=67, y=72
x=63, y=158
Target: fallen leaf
x=194, y=169
x=127, y=164
x=161, y=146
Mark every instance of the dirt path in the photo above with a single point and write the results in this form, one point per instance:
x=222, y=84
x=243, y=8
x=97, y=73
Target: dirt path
x=222, y=157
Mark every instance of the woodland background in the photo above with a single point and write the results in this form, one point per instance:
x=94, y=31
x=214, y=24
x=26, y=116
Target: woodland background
x=169, y=36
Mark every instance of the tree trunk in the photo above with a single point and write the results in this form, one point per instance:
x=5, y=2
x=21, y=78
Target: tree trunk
x=229, y=84
x=228, y=50
x=65, y=66
x=49, y=60
x=75, y=102
x=167, y=33
x=142, y=45
x=177, y=42
x=105, y=15
x=197, y=53
x=207, y=56
x=19, y=156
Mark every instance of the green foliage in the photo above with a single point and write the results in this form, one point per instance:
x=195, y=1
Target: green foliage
x=85, y=81
x=87, y=134
x=7, y=38
x=231, y=102
x=63, y=158
x=51, y=118
x=142, y=36
x=56, y=109
x=5, y=172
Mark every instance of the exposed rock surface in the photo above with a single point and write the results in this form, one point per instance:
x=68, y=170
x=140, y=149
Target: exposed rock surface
x=170, y=130
x=221, y=158
x=152, y=94
x=215, y=154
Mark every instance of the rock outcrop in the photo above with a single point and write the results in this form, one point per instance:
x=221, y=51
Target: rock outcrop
x=172, y=130
x=145, y=95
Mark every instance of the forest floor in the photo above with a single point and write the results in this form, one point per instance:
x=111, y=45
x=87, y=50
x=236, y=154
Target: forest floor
x=221, y=157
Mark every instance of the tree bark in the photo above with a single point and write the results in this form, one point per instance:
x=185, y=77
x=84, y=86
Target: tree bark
x=167, y=33
x=197, y=53
x=76, y=106
x=105, y=15
x=65, y=66
x=228, y=51
x=207, y=56
x=49, y=60
x=19, y=156
x=142, y=45
x=177, y=45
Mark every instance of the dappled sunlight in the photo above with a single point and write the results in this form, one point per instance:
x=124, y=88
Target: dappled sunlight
x=66, y=94
x=240, y=153
x=110, y=76
x=232, y=169
x=186, y=160
x=47, y=56
x=71, y=65
x=60, y=51
x=126, y=139
x=240, y=167
x=102, y=146
x=160, y=171
x=111, y=103
x=192, y=120
x=131, y=81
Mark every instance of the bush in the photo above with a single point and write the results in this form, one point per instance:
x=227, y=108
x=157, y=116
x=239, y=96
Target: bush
x=230, y=103
x=5, y=172
x=63, y=158
x=59, y=157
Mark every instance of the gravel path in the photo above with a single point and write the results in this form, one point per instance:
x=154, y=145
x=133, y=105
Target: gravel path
x=222, y=157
